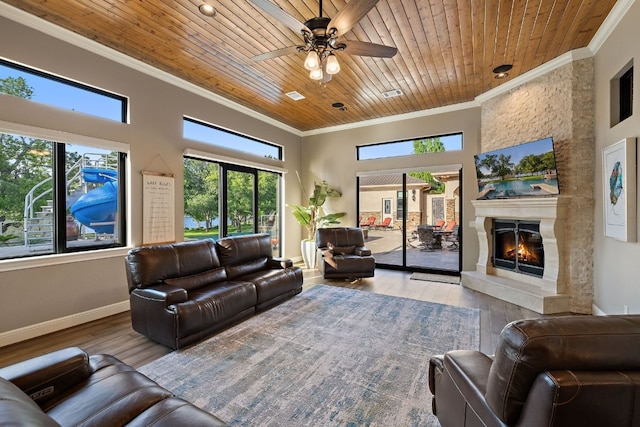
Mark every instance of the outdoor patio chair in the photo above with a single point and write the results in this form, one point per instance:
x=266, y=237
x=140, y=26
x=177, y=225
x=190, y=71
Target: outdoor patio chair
x=453, y=238
x=426, y=237
x=369, y=222
x=385, y=224
x=439, y=224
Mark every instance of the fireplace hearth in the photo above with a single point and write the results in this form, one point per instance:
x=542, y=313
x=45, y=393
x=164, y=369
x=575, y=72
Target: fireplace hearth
x=518, y=246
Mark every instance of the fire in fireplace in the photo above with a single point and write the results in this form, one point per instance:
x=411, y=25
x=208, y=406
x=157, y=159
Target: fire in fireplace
x=517, y=246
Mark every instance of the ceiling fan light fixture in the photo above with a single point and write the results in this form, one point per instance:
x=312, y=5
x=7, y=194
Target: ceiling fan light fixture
x=313, y=61
x=207, y=10
x=332, y=66
x=316, y=74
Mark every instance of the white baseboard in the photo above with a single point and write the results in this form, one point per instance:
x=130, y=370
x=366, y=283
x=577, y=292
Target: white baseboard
x=39, y=329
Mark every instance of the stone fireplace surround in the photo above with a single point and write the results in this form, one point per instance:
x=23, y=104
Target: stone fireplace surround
x=545, y=295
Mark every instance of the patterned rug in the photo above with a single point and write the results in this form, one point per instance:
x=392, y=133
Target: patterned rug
x=328, y=357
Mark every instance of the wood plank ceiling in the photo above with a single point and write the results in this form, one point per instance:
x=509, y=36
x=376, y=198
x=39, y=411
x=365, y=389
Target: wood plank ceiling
x=447, y=49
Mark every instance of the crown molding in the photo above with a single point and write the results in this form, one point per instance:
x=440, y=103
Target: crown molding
x=612, y=20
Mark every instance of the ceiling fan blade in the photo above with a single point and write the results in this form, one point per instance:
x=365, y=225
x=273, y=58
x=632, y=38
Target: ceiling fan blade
x=281, y=15
x=350, y=14
x=359, y=48
x=275, y=53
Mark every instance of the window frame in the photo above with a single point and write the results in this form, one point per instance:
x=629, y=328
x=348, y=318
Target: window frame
x=124, y=101
x=401, y=141
x=59, y=248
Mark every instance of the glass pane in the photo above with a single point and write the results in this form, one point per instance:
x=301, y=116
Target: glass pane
x=201, y=191
x=433, y=220
x=380, y=200
x=240, y=209
x=268, y=203
x=52, y=90
x=411, y=147
x=26, y=196
x=92, y=206
x=199, y=131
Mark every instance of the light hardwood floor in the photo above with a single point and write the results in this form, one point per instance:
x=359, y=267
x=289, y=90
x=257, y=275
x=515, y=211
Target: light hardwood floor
x=115, y=336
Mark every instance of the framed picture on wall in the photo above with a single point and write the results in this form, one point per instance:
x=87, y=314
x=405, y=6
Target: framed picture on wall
x=619, y=179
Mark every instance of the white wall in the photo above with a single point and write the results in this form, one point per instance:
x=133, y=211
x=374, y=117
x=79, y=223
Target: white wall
x=616, y=266
x=32, y=293
x=320, y=154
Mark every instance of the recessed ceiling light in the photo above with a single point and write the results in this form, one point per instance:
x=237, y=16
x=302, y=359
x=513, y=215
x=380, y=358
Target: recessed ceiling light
x=339, y=105
x=207, y=10
x=501, y=71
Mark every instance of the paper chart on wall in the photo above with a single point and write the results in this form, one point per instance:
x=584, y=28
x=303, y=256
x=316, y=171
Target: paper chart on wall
x=158, y=216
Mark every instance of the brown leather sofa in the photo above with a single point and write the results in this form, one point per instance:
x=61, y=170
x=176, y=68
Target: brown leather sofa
x=557, y=371
x=70, y=388
x=342, y=253
x=183, y=292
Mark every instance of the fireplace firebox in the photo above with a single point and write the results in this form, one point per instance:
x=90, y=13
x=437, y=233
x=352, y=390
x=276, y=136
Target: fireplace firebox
x=518, y=246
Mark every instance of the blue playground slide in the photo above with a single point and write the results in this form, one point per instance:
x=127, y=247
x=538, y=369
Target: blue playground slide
x=98, y=205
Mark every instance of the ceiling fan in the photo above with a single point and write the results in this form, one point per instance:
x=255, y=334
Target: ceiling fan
x=321, y=35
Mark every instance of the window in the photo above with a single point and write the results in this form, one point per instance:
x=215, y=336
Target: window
x=621, y=94
x=200, y=131
x=410, y=147
x=58, y=197
x=38, y=86
x=222, y=199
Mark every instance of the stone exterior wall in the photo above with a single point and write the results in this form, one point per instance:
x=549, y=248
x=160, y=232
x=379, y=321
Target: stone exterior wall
x=559, y=104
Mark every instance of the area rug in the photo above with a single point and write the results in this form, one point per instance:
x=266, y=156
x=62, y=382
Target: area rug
x=442, y=278
x=328, y=357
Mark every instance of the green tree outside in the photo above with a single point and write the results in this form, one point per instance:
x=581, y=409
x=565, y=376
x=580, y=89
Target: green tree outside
x=428, y=145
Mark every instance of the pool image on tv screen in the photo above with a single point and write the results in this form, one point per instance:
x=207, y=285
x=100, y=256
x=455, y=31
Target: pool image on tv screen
x=525, y=170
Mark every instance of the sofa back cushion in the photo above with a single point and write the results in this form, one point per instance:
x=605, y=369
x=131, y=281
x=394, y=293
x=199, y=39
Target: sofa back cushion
x=16, y=408
x=196, y=281
x=341, y=237
x=527, y=348
x=248, y=253
x=152, y=265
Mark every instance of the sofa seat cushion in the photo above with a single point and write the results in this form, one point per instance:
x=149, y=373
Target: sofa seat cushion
x=16, y=408
x=196, y=281
x=345, y=264
x=274, y=283
x=114, y=395
x=213, y=305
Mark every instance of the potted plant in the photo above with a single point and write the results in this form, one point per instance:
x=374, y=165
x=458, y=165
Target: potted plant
x=313, y=216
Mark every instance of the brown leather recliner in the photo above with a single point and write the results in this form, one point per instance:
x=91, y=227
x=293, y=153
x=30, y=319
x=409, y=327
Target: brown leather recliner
x=559, y=371
x=69, y=388
x=342, y=253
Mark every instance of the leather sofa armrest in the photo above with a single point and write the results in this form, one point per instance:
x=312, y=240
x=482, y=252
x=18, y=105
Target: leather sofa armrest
x=362, y=251
x=45, y=377
x=167, y=293
x=280, y=263
x=582, y=398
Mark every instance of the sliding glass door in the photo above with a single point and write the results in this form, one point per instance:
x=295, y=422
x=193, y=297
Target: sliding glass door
x=411, y=219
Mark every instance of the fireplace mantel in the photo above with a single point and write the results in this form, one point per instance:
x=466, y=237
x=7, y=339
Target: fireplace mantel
x=545, y=294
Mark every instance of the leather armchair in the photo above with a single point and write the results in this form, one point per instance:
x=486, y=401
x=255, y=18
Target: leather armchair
x=342, y=253
x=558, y=371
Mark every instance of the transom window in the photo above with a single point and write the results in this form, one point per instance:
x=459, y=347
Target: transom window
x=204, y=132
x=409, y=147
x=39, y=86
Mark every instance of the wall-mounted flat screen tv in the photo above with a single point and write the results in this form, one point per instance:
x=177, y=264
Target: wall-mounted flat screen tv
x=525, y=170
